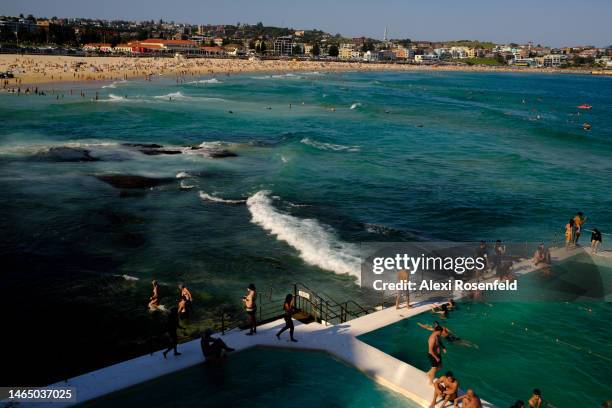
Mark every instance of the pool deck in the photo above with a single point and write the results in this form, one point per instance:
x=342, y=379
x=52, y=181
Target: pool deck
x=338, y=340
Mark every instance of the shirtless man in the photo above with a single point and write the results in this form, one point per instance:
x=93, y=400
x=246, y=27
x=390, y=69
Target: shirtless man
x=536, y=399
x=469, y=399
x=185, y=292
x=212, y=348
x=435, y=347
x=446, y=387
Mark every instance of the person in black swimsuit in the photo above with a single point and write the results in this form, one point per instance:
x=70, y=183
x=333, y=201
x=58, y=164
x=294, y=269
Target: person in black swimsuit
x=288, y=309
x=172, y=325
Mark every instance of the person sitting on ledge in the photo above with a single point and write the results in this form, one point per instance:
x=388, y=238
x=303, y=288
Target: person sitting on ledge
x=213, y=349
x=446, y=386
x=541, y=257
x=468, y=400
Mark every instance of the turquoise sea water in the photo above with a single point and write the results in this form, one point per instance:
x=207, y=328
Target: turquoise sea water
x=262, y=378
x=513, y=347
x=324, y=161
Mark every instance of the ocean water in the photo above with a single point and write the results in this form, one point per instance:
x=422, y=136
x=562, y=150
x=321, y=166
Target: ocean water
x=509, y=348
x=262, y=378
x=323, y=162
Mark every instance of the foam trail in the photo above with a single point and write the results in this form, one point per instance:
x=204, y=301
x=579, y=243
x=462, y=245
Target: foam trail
x=328, y=146
x=355, y=105
x=128, y=277
x=316, y=243
x=206, y=81
x=173, y=95
x=186, y=186
x=208, y=197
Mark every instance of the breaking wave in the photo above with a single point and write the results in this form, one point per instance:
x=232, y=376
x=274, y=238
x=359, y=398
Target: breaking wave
x=207, y=197
x=317, y=244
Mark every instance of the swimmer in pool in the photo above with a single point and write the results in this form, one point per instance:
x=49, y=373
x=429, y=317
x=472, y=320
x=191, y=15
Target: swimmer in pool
x=536, y=399
x=441, y=310
x=449, y=335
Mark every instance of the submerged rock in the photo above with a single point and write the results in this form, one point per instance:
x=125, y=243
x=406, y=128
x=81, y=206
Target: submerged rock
x=132, y=181
x=68, y=154
x=157, y=152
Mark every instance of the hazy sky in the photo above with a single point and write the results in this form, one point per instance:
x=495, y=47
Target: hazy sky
x=550, y=22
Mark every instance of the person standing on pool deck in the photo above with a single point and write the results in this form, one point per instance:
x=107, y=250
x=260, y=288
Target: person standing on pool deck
x=154, y=299
x=595, y=240
x=288, y=309
x=434, y=354
x=172, y=325
x=469, y=400
x=447, y=387
x=251, y=309
x=402, y=277
x=579, y=220
x=536, y=399
x=569, y=233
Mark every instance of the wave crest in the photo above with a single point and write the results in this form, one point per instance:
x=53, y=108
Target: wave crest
x=316, y=243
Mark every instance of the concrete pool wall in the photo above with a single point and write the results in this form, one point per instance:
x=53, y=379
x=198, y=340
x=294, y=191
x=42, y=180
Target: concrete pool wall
x=338, y=340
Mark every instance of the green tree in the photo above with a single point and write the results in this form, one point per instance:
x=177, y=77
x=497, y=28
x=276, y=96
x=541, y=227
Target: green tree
x=316, y=50
x=333, y=51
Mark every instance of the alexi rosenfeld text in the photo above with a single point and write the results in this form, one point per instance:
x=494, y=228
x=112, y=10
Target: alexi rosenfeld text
x=456, y=265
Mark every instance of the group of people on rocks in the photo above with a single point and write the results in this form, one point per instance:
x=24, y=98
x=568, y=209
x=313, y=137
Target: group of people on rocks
x=573, y=231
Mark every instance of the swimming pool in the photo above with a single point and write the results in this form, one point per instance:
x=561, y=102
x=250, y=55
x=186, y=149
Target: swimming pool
x=261, y=377
x=563, y=348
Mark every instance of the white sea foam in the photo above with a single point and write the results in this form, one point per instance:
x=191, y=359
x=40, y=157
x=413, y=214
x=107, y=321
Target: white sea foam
x=114, y=84
x=328, y=146
x=356, y=105
x=173, y=95
x=182, y=175
x=214, y=199
x=316, y=243
x=128, y=277
x=206, y=81
x=185, y=185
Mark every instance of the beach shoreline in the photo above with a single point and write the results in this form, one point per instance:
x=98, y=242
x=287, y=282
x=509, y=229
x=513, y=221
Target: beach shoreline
x=51, y=69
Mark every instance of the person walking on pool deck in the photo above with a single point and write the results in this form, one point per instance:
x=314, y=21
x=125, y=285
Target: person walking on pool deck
x=213, y=349
x=434, y=354
x=172, y=325
x=251, y=308
x=154, y=299
x=468, y=400
x=579, y=220
x=595, y=240
x=288, y=309
x=447, y=387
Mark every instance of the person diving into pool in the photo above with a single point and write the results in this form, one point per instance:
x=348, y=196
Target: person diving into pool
x=448, y=335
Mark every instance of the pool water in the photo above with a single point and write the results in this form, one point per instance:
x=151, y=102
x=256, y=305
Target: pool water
x=261, y=377
x=563, y=348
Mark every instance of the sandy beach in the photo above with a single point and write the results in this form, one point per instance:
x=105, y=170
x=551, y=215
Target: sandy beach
x=40, y=69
